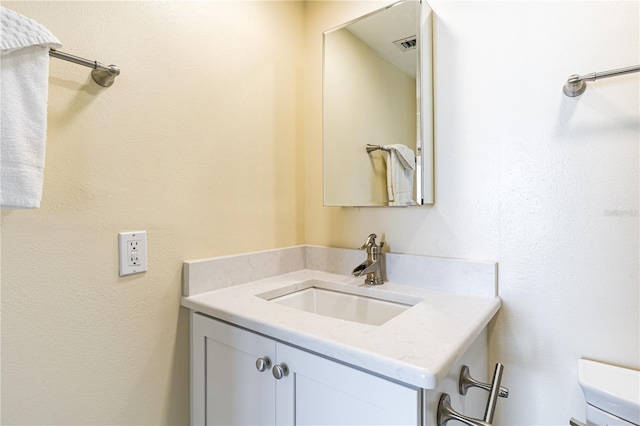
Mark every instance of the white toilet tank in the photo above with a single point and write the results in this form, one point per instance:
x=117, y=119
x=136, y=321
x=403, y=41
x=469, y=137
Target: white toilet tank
x=612, y=393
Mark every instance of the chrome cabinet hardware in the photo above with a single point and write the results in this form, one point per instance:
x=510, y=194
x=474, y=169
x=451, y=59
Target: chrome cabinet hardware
x=466, y=382
x=280, y=370
x=446, y=412
x=262, y=364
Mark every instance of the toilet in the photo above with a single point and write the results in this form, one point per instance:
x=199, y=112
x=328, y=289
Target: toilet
x=612, y=393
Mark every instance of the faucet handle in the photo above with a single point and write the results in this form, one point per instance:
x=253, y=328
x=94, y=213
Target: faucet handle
x=371, y=242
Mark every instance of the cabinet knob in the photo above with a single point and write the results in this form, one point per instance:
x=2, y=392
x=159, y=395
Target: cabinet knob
x=263, y=363
x=280, y=370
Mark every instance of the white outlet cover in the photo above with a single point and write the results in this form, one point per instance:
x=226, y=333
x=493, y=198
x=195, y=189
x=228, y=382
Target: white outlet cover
x=124, y=238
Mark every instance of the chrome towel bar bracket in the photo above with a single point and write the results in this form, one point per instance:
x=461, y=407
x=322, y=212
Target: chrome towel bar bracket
x=576, y=84
x=370, y=148
x=466, y=382
x=104, y=75
x=447, y=413
x=574, y=422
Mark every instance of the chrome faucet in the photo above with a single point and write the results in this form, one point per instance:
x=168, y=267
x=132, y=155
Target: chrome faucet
x=371, y=266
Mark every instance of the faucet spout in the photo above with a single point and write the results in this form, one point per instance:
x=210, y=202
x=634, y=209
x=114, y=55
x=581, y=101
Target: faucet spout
x=365, y=268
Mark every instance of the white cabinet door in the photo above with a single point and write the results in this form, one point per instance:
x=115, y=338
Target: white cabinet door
x=318, y=391
x=227, y=388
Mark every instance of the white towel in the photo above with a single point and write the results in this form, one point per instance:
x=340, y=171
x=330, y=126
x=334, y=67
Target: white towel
x=401, y=163
x=24, y=74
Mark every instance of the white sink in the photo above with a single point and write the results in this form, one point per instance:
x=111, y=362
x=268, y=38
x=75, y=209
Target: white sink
x=342, y=302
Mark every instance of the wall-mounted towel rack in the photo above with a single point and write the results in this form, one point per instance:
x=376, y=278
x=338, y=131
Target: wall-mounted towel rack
x=371, y=148
x=102, y=74
x=576, y=84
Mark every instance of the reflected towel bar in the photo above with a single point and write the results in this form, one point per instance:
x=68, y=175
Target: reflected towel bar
x=102, y=74
x=576, y=84
x=371, y=148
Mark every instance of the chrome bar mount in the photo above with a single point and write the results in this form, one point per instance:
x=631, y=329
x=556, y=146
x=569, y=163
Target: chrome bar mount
x=576, y=84
x=370, y=148
x=102, y=74
x=493, y=395
x=466, y=382
x=446, y=412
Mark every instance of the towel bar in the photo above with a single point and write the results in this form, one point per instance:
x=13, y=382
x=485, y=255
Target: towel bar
x=101, y=74
x=576, y=84
x=371, y=148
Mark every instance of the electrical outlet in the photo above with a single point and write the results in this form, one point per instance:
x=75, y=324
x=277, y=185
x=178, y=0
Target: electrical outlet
x=133, y=252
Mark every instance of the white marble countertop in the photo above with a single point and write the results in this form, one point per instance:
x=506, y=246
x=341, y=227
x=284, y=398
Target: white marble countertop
x=417, y=347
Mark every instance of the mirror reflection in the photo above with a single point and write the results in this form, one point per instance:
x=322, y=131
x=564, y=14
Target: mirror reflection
x=372, y=136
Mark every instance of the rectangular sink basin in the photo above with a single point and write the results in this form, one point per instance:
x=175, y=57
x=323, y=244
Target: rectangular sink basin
x=327, y=299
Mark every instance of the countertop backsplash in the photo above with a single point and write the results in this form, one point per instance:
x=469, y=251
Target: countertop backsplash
x=454, y=275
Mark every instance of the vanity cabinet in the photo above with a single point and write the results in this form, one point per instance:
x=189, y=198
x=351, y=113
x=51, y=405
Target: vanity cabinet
x=228, y=387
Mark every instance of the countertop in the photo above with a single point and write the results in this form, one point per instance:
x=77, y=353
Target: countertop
x=417, y=347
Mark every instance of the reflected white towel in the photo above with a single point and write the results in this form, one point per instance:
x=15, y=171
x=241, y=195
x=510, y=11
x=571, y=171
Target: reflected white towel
x=24, y=74
x=401, y=163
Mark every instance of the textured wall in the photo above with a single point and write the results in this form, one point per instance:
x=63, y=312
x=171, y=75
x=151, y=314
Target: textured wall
x=544, y=184
x=196, y=142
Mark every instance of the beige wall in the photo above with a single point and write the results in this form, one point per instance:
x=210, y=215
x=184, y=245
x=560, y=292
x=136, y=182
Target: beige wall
x=198, y=142
x=367, y=100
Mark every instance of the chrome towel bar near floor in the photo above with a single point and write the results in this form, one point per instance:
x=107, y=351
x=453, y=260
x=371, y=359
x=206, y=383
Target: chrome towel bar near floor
x=576, y=84
x=445, y=412
x=102, y=74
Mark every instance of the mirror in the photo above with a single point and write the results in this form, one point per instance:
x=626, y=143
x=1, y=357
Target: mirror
x=377, y=91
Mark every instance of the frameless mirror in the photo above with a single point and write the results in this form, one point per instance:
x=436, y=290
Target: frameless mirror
x=377, y=109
